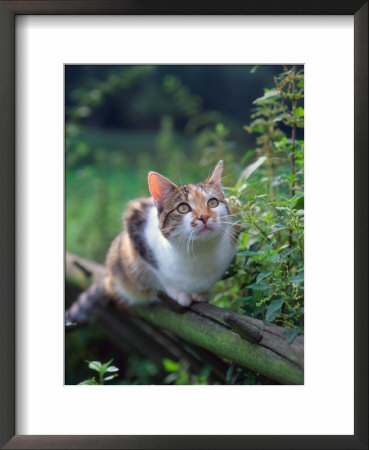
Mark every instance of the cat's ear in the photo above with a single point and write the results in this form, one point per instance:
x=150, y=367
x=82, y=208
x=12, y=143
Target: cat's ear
x=216, y=176
x=160, y=187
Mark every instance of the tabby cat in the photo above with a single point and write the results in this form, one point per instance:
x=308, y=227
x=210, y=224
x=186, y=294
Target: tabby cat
x=180, y=241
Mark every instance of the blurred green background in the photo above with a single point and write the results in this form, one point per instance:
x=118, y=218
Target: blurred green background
x=123, y=121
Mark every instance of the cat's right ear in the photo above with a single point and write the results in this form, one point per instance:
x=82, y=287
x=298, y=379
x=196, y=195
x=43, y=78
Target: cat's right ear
x=216, y=176
x=160, y=187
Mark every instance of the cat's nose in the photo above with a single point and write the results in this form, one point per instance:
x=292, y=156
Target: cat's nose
x=204, y=218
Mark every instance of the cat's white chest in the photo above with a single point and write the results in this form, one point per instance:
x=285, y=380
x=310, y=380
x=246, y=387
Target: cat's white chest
x=195, y=268
x=197, y=271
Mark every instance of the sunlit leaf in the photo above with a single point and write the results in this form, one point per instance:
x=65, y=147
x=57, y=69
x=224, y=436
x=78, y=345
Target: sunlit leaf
x=300, y=111
x=94, y=365
x=90, y=381
x=110, y=377
x=268, y=95
x=251, y=168
x=170, y=365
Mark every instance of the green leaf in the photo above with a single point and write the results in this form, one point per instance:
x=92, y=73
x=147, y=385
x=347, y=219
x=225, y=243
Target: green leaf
x=268, y=95
x=259, y=286
x=94, y=365
x=278, y=203
x=292, y=334
x=170, y=365
x=276, y=228
x=300, y=111
x=254, y=69
x=112, y=369
x=287, y=251
x=250, y=253
x=107, y=364
x=247, y=156
x=274, y=309
x=110, y=377
x=251, y=168
x=229, y=372
x=275, y=258
x=244, y=299
x=90, y=381
x=234, y=378
x=299, y=204
x=279, y=117
x=258, y=310
x=262, y=275
x=297, y=279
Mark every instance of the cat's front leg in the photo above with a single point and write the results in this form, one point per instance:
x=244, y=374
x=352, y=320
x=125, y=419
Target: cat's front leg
x=200, y=296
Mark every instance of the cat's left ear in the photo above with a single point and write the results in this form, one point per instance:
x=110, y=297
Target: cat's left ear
x=160, y=187
x=216, y=176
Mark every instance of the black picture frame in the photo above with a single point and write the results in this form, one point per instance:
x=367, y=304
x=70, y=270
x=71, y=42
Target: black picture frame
x=8, y=11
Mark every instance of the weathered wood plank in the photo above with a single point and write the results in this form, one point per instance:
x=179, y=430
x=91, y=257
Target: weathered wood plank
x=241, y=339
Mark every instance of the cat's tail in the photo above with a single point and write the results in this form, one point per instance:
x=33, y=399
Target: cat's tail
x=87, y=303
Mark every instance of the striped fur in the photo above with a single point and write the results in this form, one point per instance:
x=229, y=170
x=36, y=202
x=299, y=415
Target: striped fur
x=87, y=303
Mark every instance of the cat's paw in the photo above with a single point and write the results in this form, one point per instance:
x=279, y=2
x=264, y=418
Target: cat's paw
x=200, y=297
x=181, y=297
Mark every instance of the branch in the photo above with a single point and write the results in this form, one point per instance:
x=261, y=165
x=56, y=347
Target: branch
x=241, y=339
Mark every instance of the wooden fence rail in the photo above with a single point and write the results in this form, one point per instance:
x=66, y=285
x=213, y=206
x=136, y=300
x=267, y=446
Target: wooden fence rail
x=215, y=334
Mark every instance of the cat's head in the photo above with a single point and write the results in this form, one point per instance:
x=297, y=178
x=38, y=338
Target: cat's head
x=191, y=211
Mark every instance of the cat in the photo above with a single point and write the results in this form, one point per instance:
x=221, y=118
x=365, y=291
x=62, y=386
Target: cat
x=180, y=241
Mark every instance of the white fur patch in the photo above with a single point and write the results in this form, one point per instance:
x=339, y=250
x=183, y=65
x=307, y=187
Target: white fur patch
x=185, y=264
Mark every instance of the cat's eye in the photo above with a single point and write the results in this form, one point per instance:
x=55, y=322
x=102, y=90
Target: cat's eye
x=213, y=202
x=183, y=208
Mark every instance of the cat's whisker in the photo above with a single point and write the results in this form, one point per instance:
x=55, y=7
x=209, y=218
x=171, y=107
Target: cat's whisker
x=188, y=243
x=229, y=221
x=179, y=175
x=190, y=246
x=223, y=177
x=233, y=215
x=182, y=237
x=193, y=241
x=229, y=224
x=228, y=231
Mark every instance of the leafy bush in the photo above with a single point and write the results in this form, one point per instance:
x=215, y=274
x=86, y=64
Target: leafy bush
x=266, y=279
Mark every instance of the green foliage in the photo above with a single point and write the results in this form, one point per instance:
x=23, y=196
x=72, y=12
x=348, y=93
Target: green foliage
x=179, y=373
x=101, y=369
x=268, y=273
